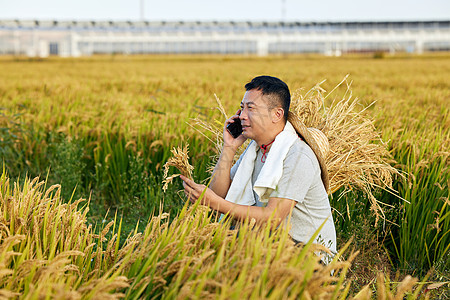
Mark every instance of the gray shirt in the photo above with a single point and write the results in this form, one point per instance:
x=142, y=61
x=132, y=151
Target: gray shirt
x=302, y=183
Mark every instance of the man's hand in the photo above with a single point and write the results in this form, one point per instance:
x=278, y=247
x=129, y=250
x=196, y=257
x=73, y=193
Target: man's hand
x=193, y=191
x=228, y=139
x=221, y=180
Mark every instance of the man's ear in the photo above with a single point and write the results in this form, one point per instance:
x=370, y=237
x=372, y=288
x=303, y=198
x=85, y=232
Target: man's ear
x=277, y=114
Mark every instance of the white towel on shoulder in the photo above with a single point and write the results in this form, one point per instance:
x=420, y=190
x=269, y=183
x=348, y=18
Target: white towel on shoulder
x=241, y=191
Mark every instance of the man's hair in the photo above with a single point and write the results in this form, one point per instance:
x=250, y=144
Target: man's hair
x=277, y=92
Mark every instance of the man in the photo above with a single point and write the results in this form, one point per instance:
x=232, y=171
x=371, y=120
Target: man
x=277, y=176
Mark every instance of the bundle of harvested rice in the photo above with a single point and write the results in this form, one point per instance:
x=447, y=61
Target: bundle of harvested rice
x=357, y=157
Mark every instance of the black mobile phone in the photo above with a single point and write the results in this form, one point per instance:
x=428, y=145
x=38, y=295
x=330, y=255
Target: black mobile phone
x=235, y=128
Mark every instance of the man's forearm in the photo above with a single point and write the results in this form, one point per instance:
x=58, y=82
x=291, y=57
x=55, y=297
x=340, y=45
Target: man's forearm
x=221, y=181
x=241, y=212
x=279, y=208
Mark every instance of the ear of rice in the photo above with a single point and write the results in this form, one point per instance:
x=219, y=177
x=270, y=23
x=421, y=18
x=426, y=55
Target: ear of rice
x=179, y=160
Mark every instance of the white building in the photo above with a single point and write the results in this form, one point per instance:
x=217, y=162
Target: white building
x=73, y=38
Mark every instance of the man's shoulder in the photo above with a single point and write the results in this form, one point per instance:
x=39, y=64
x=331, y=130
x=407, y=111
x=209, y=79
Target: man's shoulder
x=300, y=148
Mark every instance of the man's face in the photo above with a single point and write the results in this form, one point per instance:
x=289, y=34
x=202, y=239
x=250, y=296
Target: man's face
x=255, y=115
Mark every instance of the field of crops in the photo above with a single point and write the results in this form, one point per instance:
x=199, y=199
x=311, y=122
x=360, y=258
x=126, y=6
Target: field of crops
x=103, y=127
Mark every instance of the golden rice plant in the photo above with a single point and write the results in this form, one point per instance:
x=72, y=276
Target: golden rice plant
x=48, y=251
x=408, y=288
x=179, y=160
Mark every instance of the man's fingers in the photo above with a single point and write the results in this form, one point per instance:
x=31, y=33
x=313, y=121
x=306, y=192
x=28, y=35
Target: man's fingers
x=189, y=191
x=192, y=190
x=229, y=121
x=234, y=118
x=187, y=181
x=191, y=183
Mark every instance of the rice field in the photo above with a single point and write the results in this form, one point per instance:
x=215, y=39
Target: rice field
x=102, y=128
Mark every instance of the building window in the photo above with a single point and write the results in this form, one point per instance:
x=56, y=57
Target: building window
x=53, y=49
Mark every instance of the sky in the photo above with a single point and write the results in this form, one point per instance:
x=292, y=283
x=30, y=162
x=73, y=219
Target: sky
x=224, y=10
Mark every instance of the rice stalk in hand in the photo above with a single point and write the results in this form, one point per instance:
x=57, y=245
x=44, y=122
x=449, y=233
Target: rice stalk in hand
x=180, y=160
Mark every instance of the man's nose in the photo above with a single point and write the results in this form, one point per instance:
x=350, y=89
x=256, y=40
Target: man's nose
x=243, y=114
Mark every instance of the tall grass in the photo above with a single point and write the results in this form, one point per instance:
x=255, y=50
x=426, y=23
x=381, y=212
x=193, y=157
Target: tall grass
x=48, y=251
x=422, y=237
